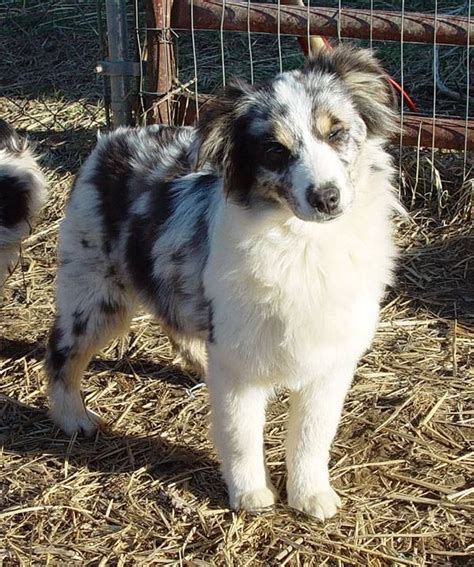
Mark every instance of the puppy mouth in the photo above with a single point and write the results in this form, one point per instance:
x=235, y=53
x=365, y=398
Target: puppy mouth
x=309, y=215
x=329, y=218
x=318, y=217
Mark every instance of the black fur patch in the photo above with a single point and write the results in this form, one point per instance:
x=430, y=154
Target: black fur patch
x=211, y=336
x=57, y=355
x=107, y=247
x=142, y=236
x=248, y=153
x=161, y=206
x=272, y=156
x=111, y=178
x=79, y=325
x=138, y=255
x=241, y=172
x=109, y=306
x=200, y=232
x=13, y=198
x=85, y=243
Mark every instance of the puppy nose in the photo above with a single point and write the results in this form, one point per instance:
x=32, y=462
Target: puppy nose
x=325, y=199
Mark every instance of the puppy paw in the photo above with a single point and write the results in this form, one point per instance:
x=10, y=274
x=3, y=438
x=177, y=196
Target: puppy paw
x=82, y=421
x=321, y=505
x=255, y=500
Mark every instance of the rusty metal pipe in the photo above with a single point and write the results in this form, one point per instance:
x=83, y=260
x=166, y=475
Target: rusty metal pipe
x=449, y=133
x=352, y=23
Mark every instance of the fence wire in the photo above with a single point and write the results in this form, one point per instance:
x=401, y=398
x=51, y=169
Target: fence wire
x=436, y=76
x=48, y=54
x=218, y=55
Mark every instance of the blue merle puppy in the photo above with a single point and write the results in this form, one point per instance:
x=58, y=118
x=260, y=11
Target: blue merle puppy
x=261, y=241
x=22, y=193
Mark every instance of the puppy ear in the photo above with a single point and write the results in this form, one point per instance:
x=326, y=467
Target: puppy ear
x=367, y=84
x=371, y=92
x=214, y=131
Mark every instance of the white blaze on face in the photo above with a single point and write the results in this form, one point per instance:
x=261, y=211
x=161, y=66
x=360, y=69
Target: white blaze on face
x=317, y=164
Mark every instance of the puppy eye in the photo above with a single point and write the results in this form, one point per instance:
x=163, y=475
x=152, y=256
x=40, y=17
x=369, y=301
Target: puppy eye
x=276, y=149
x=336, y=133
x=274, y=156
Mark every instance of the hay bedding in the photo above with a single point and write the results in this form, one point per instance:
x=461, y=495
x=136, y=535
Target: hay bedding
x=148, y=491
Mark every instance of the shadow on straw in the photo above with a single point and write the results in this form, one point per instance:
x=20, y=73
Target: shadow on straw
x=28, y=431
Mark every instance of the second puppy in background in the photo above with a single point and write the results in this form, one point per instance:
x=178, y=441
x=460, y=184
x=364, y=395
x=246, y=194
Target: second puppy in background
x=22, y=194
x=261, y=240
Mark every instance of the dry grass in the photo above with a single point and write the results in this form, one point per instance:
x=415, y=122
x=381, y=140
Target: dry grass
x=148, y=491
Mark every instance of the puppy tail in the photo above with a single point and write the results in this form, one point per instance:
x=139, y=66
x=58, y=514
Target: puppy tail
x=10, y=140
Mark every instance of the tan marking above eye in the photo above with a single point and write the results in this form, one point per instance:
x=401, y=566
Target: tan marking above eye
x=325, y=124
x=282, y=135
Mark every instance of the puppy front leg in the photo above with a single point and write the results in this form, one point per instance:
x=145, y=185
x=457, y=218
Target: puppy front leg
x=315, y=411
x=238, y=419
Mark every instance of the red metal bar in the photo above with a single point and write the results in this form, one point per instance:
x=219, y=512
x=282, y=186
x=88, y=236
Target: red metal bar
x=449, y=133
x=353, y=23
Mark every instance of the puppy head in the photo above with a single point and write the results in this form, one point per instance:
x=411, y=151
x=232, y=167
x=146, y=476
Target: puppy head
x=293, y=142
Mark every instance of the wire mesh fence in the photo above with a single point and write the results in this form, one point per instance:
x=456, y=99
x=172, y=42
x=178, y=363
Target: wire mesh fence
x=48, y=54
x=427, y=51
x=49, y=88
x=192, y=47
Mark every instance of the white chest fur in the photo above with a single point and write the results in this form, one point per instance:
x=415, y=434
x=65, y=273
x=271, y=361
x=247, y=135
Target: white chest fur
x=291, y=297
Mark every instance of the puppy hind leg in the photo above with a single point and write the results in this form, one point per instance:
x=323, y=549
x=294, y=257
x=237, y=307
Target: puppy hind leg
x=76, y=336
x=64, y=366
x=191, y=352
x=8, y=259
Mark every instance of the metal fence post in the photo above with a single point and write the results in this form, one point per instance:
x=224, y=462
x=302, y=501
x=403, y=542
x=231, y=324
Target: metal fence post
x=117, y=38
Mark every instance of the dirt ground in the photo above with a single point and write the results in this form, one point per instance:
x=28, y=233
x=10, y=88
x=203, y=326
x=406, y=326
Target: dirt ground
x=147, y=490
